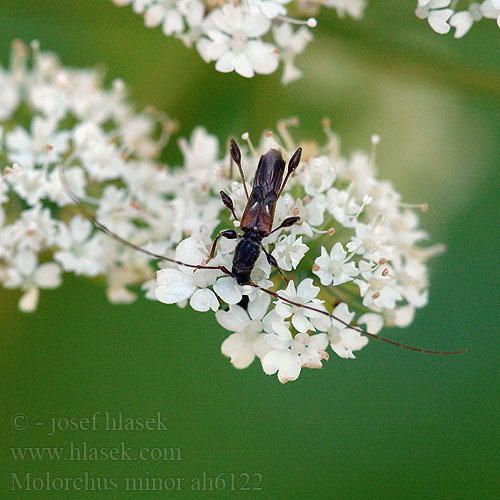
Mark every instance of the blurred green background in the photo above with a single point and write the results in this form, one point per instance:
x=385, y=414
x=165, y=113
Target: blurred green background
x=390, y=425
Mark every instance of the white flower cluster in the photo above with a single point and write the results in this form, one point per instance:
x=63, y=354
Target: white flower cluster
x=51, y=116
x=442, y=15
x=355, y=235
x=249, y=37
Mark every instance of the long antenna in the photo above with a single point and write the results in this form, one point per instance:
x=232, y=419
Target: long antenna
x=236, y=156
x=359, y=330
x=115, y=236
x=223, y=269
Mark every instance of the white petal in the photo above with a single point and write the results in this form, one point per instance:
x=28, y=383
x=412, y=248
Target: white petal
x=239, y=349
x=262, y=57
x=289, y=367
x=48, y=275
x=283, y=309
x=463, y=22
x=353, y=340
x=228, y=290
x=404, y=316
x=439, y=4
x=312, y=358
x=173, y=23
x=120, y=295
x=80, y=228
x=203, y=300
x=437, y=20
x=26, y=262
x=272, y=9
x=301, y=323
x=154, y=16
x=290, y=73
x=242, y=66
x=234, y=320
x=306, y=290
x=342, y=313
x=274, y=342
x=342, y=352
x=318, y=341
x=282, y=331
x=271, y=361
x=374, y=322
x=173, y=286
x=258, y=307
x=256, y=25
x=29, y=300
x=225, y=64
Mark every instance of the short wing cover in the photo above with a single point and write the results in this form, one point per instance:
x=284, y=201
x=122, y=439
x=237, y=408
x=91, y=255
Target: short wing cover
x=259, y=212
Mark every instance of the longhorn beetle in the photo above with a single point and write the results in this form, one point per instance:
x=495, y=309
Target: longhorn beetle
x=256, y=224
x=257, y=219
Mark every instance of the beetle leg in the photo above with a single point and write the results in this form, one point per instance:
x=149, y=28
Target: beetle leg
x=272, y=261
x=230, y=234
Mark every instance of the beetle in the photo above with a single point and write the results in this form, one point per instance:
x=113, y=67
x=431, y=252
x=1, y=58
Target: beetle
x=257, y=219
x=256, y=223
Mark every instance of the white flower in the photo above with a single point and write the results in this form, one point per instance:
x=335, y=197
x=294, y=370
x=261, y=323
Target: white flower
x=232, y=33
x=200, y=154
x=319, y=175
x=440, y=20
x=334, y=267
x=248, y=340
x=291, y=43
x=34, y=230
x=109, y=157
x=343, y=340
x=491, y=10
x=289, y=251
x=97, y=152
x=288, y=354
x=174, y=286
x=26, y=274
x=29, y=183
x=305, y=294
x=377, y=286
x=399, y=316
x=78, y=252
x=44, y=145
x=368, y=242
x=353, y=8
x=9, y=95
x=462, y=21
x=342, y=206
x=270, y=8
x=166, y=14
x=436, y=15
x=311, y=214
x=233, y=40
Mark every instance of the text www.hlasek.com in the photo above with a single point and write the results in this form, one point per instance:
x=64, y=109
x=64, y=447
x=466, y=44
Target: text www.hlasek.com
x=81, y=452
